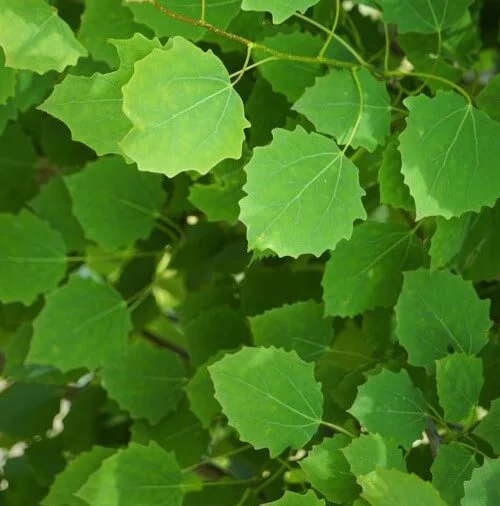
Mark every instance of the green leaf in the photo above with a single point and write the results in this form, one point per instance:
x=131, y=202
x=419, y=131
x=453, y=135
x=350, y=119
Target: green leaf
x=135, y=475
x=282, y=403
x=219, y=328
x=29, y=250
x=179, y=432
x=365, y=271
x=162, y=139
x=17, y=169
x=449, y=182
x=290, y=78
x=294, y=499
x=307, y=208
x=54, y=205
x=358, y=113
x=74, y=476
x=393, y=190
x=279, y=9
x=83, y=324
x=219, y=199
x=217, y=13
x=448, y=239
x=300, y=327
x=370, y=451
x=423, y=16
x=391, y=487
x=487, y=99
x=452, y=466
x=27, y=410
x=328, y=470
x=483, y=488
x=95, y=34
x=7, y=80
x=145, y=380
x=97, y=100
x=489, y=428
x=201, y=393
x=438, y=312
x=34, y=37
x=389, y=404
x=130, y=201
x=459, y=381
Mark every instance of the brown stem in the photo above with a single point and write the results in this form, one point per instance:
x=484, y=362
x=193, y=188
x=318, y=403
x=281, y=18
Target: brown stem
x=163, y=343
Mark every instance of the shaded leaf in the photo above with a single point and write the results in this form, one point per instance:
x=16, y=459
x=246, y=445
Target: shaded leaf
x=489, y=428
x=483, y=488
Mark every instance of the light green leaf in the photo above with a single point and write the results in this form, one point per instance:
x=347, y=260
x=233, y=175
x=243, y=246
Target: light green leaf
x=393, y=190
x=35, y=38
x=279, y=9
x=365, y=271
x=31, y=251
x=146, y=381
x=53, y=204
x=452, y=466
x=328, y=470
x=300, y=327
x=438, y=312
x=74, y=477
x=96, y=101
x=459, y=381
x=219, y=199
x=290, y=78
x=129, y=200
x=135, y=475
x=83, y=324
x=489, y=428
x=370, y=451
x=94, y=33
x=462, y=177
x=270, y=396
x=423, y=16
x=448, y=239
x=483, y=489
x=389, y=404
x=303, y=195
x=385, y=487
x=487, y=99
x=218, y=13
x=195, y=89
x=358, y=111
x=294, y=499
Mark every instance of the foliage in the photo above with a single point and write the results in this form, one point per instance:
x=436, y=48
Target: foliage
x=249, y=252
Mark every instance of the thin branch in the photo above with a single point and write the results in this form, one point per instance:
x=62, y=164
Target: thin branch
x=163, y=343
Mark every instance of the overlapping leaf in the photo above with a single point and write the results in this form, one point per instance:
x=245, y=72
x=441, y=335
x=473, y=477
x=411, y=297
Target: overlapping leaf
x=280, y=9
x=29, y=250
x=437, y=313
x=83, y=324
x=35, y=38
x=303, y=195
x=350, y=105
x=482, y=489
x=92, y=106
x=489, y=428
x=135, y=475
x=389, y=404
x=448, y=150
x=294, y=499
x=270, y=396
x=115, y=203
x=365, y=271
x=300, y=327
x=195, y=90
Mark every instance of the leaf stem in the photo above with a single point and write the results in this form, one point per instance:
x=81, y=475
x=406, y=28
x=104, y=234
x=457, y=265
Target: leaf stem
x=337, y=428
x=203, y=11
x=240, y=73
x=387, y=51
x=331, y=33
